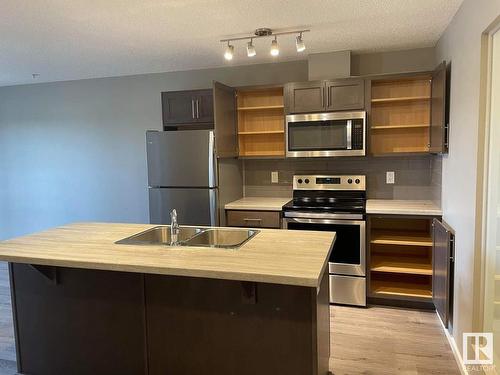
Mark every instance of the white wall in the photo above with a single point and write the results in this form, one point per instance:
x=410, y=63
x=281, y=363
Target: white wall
x=461, y=44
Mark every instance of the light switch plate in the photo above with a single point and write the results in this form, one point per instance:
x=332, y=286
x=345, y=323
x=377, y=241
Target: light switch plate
x=389, y=177
x=274, y=177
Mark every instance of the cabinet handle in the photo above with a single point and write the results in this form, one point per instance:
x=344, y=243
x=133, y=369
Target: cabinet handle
x=192, y=108
x=254, y=220
x=197, y=108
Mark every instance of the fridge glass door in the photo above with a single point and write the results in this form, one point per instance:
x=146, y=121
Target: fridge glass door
x=181, y=158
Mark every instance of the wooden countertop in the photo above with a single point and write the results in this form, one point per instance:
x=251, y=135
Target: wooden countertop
x=272, y=256
x=258, y=204
x=402, y=207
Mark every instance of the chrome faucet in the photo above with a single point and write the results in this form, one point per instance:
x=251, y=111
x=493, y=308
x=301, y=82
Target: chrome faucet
x=174, y=227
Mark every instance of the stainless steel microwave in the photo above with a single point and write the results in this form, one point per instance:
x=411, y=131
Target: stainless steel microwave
x=326, y=134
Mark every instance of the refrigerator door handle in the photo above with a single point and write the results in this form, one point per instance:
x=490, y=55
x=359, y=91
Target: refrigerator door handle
x=212, y=161
x=214, y=212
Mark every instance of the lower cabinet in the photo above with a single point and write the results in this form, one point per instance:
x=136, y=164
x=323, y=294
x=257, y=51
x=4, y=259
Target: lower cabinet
x=253, y=219
x=400, y=258
x=410, y=262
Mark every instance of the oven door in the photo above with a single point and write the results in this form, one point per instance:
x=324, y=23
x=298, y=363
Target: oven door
x=323, y=134
x=348, y=253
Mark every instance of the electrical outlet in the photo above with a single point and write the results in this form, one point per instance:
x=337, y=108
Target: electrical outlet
x=274, y=177
x=389, y=178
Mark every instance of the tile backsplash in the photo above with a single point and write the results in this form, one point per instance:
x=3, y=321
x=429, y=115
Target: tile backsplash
x=416, y=177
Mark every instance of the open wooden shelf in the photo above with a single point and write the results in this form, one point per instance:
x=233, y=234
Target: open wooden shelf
x=389, y=127
x=262, y=132
x=261, y=153
x=400, y=99
x=261, y=123
x=261, y=107
x=388, y=288
x=396, y=237
x=401, y=264
x=401, y=108
x=400, y=258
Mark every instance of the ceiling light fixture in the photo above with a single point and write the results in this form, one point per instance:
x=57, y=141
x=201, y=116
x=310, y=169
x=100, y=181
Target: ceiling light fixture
x=228, y=55
x=275, y=51
x=264, y=32
x=251, y=49
x=299, y=43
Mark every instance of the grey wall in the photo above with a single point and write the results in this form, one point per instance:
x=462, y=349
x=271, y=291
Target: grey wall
x=413, y=60
x=416, y=177
x=75, y=151
x=461, y=44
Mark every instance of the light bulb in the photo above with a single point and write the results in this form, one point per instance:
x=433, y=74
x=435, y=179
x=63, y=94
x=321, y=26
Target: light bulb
x=251, y=49
x=228, y=55
x=299, y=43
x=274, y=48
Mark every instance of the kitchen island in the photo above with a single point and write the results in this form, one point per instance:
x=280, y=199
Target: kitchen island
x=85, y=305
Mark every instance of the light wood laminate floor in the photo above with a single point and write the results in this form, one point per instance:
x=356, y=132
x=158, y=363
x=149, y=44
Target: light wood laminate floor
x=369, y=341
x=388, y=341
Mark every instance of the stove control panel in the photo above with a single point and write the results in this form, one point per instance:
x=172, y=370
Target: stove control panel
x=322, y=182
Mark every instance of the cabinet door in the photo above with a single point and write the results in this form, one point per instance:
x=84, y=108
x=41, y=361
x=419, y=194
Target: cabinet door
x=345, y=94
x=226, y=135
x=179, y=107
x=439, y=118
x=442, y=270
x=204, y=106
x=305, y=97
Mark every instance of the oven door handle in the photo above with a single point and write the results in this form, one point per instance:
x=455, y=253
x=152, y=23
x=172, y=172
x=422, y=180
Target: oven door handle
x=326, y=221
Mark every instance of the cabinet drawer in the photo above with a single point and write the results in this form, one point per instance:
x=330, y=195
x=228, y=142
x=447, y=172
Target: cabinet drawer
x=254, y=219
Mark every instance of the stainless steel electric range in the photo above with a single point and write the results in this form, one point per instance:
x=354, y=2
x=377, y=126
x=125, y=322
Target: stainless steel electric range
x=337, y=204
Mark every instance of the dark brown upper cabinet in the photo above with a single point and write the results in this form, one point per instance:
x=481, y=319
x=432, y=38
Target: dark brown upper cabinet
x=345, y=94
x=303, y=97
x=224, y=104
x=438, y=134
x=184, y=108
x=320, y=96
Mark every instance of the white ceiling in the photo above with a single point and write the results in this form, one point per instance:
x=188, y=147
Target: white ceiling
x=75, y=39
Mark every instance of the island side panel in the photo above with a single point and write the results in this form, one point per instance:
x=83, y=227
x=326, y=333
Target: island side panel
x=321, y=330
x=80, y=322
x=208, y=326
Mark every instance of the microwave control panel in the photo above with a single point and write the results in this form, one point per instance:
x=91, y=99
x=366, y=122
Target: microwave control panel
x=357, y=135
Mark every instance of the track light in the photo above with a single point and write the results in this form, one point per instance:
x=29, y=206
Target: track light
x=299, y=43
x=275, y=51
x=264, y=32
x=251, y=49
x=228, y=55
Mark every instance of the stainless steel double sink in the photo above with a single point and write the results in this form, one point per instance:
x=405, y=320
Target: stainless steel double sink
x=226, y=238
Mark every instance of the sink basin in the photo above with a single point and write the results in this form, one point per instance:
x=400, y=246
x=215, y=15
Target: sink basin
x=160, y=236
x=221, y=237
x=228, y=238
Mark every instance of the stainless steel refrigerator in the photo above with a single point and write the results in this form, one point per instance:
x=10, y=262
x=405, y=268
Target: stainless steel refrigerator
x=184, y=173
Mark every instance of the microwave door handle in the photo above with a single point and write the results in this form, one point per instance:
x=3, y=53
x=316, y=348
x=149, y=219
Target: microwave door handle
x=349, y=134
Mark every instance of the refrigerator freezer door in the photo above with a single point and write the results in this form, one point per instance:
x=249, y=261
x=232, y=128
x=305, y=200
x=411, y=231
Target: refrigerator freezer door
x=181, y=158
x=194, y=206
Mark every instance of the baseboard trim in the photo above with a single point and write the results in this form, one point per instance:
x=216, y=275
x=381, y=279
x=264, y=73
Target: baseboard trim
x=454, y=348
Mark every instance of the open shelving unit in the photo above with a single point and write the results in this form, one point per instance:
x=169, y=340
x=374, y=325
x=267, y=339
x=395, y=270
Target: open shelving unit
x=401, y=258
x=400, y=115
x=261, y=122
